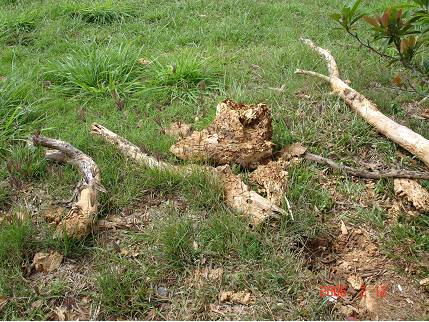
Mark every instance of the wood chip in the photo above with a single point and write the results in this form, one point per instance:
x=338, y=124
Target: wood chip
x=412, y=191
x=424, y=282
x=244, y=298
x=47, y=262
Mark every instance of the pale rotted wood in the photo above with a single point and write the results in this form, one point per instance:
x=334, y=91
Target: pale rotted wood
x=367, y=174
x=78, y=222
x=238, y=196
x=403, y=136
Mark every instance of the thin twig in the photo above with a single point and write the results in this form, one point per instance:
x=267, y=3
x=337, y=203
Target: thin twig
x=289, y=208
x=367, y=174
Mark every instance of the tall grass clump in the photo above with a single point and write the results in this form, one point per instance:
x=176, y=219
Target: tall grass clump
x=18, y=29
x=97, y=71
x=185, y=77
x=17, y=114
x=99, y=12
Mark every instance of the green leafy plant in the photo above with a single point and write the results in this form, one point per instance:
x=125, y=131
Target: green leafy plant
x=399, y=34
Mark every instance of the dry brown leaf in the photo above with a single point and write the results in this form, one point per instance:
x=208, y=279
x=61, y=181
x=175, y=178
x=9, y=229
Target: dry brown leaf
x=425, y=113
x=344, y=230
x=3, y=301
x=60, y=313
x=355, y=281
x=243, y=297
x=2, y=78
x=201, y=274
x=36, y=304
x=293, y=150
x=412, y=191
x=424, y=282
x=368, y=301
x=144, y=61
x=179, y=130
x=54, y=214
x=47, y=262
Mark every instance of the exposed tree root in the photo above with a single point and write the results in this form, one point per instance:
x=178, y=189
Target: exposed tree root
x=78, y=222
x=367, y=174
x=238, y=196
x=406, y=138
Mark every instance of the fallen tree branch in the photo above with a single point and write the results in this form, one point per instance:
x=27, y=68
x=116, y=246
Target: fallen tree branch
x=406, y=138
x=78, y=222
x=238, y=196
x=367, y=174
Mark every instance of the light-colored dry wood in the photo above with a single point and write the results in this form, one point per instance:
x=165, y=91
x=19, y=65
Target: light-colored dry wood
x=78, y=222
x=403, y=136
x=238, y=196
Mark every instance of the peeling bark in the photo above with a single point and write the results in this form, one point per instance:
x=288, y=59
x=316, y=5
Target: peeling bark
x=78, y=222
x=238, y=196
x=403, y=136
x=239, y=134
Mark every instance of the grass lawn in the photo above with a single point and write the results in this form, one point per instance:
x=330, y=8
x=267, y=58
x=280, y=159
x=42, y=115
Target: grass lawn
x=65, y=64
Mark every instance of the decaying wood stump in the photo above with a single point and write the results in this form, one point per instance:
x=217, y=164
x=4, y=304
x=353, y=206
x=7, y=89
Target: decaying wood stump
x=239, y=134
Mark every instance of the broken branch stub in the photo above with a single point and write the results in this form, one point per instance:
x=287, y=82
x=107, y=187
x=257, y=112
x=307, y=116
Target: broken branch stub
x=403, y=136
x=238, y=196
x=78, y=222
x=239, y=134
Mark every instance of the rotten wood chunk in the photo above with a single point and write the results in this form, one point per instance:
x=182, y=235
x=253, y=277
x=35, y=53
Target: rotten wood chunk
x=241, y=198
x=273, y=178
x=413, y=192
x=239, y=134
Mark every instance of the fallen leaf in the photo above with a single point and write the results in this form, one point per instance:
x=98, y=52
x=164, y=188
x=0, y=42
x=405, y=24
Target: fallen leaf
x=293, y=150
x=201, y=274
x=424, y=282
x=412, y=191
x=36, y=304
x=425, y=114
x=369, y=301
x=397, y=80
x=144, y=62
x=54, y=214
x=2, y=78
x=47, y=262
x=3, y=301
x=195, y=245
x=355, y=281
x=60, y=312
x=344, y=230
x=244, y=298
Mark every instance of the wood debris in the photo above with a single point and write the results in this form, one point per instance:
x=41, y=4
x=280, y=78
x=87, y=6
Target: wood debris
x=413, y=192
x=239, y=134
x=47, y=262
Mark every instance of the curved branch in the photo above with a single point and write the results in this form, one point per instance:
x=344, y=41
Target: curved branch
x=403, y=136
x=367, y=174
x=78, y=222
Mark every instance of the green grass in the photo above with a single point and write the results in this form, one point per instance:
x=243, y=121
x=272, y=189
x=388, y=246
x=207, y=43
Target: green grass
x=70, y=63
